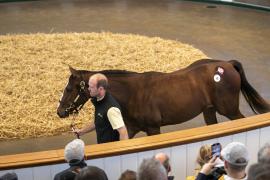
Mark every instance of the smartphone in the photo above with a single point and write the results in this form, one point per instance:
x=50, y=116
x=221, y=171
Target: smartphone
x=216, y=149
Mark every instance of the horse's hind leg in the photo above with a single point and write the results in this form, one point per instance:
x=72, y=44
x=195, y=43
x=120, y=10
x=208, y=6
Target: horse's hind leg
x=209, y=115
x=236, y=115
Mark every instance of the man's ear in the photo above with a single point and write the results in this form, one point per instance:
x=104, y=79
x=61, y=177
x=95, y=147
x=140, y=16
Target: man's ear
x=225, y=164
x=74, y=72
x=169, y=168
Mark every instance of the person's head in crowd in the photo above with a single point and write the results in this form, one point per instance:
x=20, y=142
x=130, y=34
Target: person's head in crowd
x=9, y=176
x=264, y=153
x=235, y=156
x=164, y=160
x=128, y=175
x=204, y=155
x=151, y=169
x=91, y=172
x=74, y=151
x=259, y=171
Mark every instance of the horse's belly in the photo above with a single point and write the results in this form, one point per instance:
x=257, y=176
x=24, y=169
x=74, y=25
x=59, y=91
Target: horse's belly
x=175, y=117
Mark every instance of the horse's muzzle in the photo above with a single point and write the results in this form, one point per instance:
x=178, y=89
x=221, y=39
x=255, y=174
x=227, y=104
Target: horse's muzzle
x=62, y=114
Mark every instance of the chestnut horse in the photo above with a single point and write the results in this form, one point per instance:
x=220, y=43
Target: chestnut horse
x=153, y=99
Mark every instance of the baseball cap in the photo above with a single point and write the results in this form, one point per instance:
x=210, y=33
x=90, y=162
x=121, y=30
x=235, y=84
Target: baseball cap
x=74, y=150
x=236, y=154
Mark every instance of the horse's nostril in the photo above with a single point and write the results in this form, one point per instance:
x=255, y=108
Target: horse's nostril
x=62, y=114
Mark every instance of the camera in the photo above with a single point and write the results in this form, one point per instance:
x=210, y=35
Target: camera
x=216, y=173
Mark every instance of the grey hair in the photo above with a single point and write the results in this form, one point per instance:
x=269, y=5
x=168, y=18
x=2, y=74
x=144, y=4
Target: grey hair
x=151, y=169
x=259, y=171
x=264, y=153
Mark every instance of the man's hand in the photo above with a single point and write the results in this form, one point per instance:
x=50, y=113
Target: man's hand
x=78, y=132
x=90, y=127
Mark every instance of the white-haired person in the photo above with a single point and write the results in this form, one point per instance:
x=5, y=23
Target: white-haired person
x=151, y=169
x=259, y=171
x=74, y=155
x=165, y=161
x=264, y=153
x=235, y=156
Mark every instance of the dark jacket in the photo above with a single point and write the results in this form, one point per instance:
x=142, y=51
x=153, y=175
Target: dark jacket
x=72, y=171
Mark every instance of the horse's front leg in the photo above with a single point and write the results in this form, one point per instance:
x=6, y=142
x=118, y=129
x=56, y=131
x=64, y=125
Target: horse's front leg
x=132, y=131
x=152, y=131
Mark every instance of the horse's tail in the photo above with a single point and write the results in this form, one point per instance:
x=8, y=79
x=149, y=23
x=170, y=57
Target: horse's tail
x=255, y=101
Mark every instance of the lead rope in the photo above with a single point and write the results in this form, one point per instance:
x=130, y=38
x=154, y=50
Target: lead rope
x=72, y=126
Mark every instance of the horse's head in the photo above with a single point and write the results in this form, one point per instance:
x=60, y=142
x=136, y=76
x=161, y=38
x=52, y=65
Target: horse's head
x=75, y=94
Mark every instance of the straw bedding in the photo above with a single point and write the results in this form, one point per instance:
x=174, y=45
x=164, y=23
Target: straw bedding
x=34, y=71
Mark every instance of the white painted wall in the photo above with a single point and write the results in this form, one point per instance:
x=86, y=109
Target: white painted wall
x=182, y=158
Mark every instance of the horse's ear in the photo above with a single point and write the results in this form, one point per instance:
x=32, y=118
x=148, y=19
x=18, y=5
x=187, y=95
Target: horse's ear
x=74, y=72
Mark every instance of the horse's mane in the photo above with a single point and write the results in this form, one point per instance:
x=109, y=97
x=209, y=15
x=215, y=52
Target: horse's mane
x=116, y=72
x=108, y=72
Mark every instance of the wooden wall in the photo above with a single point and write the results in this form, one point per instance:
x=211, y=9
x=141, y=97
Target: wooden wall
x=129, y=154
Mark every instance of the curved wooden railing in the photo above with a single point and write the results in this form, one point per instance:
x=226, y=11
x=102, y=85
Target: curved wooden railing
x=139, y=144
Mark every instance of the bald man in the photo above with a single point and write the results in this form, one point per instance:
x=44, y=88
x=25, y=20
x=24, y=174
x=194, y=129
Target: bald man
x=109, y=124
x=165, y=161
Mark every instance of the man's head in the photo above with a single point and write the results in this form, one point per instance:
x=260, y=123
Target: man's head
x=264, y=154
x=151, y=169
x=235, y=156
x=164, y=160
x=98, y=84
x=259, y=171
x=74, y=150
x=91, y=172
x=128, y=175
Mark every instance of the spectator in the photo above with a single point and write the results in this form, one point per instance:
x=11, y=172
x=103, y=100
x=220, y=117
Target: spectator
x=128, y=175
x=235, y=156
x=259, y=171
x=74, y=155
x=151, y=169
x=91, y=173
x=203, y=157
x=264, y=154
x=9, y=176
x=165, y=161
